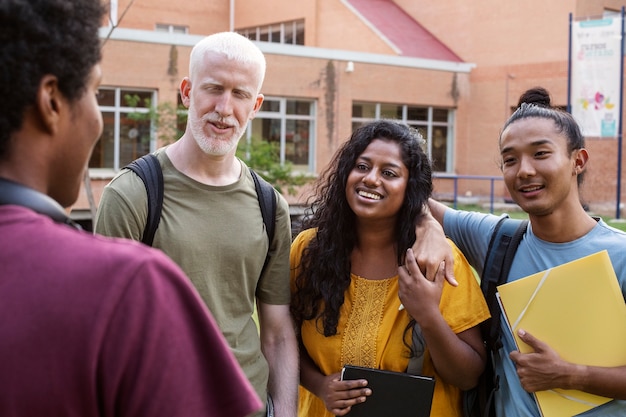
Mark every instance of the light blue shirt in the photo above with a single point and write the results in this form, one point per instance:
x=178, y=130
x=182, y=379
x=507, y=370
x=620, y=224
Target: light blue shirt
x=472, y=231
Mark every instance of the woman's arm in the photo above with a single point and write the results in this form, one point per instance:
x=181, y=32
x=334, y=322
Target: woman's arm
x=338, y=396
x=458, y=359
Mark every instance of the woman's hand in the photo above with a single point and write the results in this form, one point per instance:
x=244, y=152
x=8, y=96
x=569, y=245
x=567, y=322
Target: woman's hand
x=459, y=359
x=339, y=396
x=419, y=295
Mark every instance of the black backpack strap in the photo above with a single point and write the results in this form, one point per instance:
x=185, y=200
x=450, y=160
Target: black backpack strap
x=508, y=233
x=418, y=346
x=149, y=170
x=500, y=253
x=267, y=201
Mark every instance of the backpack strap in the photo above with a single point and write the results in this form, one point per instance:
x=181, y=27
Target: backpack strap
x=500, y=253
x=149, y=170
x=13, y=193
x=508, y=233
x=267, y=202
x=418, y=346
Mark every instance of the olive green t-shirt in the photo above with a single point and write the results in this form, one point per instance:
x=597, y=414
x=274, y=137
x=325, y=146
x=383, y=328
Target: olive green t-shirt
x=217, y=236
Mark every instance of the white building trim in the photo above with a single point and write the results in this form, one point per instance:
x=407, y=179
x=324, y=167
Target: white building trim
x=148, y=36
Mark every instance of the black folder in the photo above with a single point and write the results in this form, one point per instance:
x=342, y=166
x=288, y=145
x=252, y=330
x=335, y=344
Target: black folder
x=394, y=394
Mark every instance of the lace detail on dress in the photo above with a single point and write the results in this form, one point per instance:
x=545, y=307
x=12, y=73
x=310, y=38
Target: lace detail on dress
x=361, y=332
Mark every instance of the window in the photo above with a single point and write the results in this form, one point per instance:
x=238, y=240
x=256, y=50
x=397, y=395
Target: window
x=164, y=27
x=291, y=33
x=127, y=132
x=434, y=124
x=113, y=13
x=290, y=123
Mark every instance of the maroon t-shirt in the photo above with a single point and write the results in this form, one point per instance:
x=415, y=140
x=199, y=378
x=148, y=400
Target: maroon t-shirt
x=92, y=326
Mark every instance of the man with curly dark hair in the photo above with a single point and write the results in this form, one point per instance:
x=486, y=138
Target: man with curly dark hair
x=91, y=326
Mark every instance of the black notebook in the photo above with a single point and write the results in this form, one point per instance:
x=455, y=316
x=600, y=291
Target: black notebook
x=394, y=394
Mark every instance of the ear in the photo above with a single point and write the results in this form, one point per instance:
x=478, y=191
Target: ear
x=580, y=161
x=185, y=91
x=257, y=105
x=49, y=103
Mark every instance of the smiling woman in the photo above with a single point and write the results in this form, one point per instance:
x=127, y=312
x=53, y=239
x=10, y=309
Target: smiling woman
x=377, y=183
x=348, y=289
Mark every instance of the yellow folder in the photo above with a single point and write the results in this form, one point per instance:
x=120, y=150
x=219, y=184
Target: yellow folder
x=576, y=308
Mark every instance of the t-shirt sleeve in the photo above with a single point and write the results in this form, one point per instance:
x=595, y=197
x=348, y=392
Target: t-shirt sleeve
x=163, y=354
x=471, y=233
x=298, y=246
x=464, y=306
x=123, y=208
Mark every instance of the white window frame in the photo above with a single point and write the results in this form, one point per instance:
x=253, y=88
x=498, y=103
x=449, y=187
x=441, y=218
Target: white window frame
x=172, y=29
x=118, y=109
x=274, y=27
x=113, y=5
x=282, y=115
x=427, y=125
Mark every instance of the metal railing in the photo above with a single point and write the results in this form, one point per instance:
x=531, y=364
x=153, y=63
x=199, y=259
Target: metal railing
x=455, y=178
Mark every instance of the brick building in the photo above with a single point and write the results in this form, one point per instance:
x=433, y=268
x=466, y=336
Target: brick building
x=452, y=69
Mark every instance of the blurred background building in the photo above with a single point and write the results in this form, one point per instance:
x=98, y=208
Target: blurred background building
x=452, y=69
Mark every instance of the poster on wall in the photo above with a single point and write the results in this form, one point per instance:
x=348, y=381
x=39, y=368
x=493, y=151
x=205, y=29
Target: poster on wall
x=595, y=59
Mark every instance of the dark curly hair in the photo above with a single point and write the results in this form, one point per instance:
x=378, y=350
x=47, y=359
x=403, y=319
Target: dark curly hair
x=40, y=37
x=325, y=272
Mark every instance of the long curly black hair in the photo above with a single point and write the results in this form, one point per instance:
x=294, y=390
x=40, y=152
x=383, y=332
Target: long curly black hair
x=325, y=269
x=40, y=37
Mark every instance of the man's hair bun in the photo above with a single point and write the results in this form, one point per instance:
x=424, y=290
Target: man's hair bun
x=537, y=95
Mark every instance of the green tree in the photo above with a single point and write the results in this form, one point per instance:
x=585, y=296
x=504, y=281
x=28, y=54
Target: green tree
x=166, y=119
x=264, y=158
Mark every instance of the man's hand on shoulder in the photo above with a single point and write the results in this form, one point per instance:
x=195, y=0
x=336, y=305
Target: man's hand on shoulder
x=431, y=248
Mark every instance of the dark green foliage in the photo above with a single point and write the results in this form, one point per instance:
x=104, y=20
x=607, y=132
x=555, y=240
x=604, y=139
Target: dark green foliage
x=264, y=158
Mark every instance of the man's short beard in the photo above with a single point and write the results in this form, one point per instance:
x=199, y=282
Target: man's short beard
x=215, y=146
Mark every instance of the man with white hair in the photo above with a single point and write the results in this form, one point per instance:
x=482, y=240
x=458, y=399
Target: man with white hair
x=211, y=224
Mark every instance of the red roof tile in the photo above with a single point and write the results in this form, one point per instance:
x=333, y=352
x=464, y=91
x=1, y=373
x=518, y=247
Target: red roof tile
x=401, y=30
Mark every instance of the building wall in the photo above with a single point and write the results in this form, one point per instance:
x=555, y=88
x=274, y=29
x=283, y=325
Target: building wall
x=368, y=82
x=133, y=64
x=252, y=13
x=514, y=48
x=328, y=24
x=201, y=16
